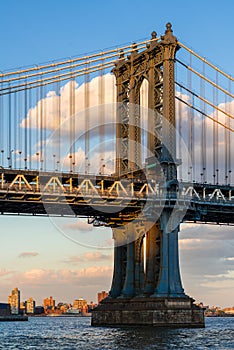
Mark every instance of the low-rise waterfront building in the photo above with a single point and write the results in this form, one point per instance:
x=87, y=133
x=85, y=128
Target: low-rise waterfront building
x=79, y=304
x=49, y=303
x=229, y=310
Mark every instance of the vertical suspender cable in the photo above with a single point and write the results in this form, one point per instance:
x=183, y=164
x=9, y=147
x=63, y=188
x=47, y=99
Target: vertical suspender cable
x=178, y=122
x=202, y=130
x=30, y=130
x=2, y=127
x=229, y=140
x=9, y=129
x=59, y=124
x=215, y=135
x=113, y=121
x=190, y=123
x=15, y=121
x=188, y=132
x=226, y=143
x=73, y=121
x=193, y=170
x=87, y=132
x=217, y=131
x=45, y=130
x=41, y=126
x=203, y=91
x=19, y=128
x=72, y=118
x=214, y=139
x=37, y=128
x=101, y=110
x=26, y=125
x=180, y=134
x=9, y=153
x=55, y=124
x=70, y=122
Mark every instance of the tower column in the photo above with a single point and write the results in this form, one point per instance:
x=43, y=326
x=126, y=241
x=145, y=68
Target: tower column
x=134, y=262
x=175, y=283
x=168, y=156
x=129, y=284
x=152, y=251
x=134, y=142
x=169, y=282
x=139, y=265
x=119, y=262
x=162, y=287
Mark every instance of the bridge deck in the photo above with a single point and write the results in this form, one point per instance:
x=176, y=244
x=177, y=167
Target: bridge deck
x=111, y=200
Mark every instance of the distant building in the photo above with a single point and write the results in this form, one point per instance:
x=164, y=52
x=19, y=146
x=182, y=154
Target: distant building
x=63, y=307
x=73, y=311
x=14, y=301
x=39, y=310
x=22, y=307
x=102, y=295
x=30, y=306
x=5, y=309
x=79, y=304
x=229, y=310
x=49, y=303
x=91, y=306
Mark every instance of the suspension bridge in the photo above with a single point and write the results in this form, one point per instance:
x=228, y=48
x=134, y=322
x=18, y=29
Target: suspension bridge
x=137, y=138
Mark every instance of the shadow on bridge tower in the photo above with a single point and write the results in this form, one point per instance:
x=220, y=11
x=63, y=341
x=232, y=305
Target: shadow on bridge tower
x=146, y=286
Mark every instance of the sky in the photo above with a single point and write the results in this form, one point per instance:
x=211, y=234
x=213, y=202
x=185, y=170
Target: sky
x=36, y=254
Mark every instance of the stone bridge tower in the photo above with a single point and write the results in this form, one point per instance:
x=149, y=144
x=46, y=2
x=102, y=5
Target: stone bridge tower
x=146, y=286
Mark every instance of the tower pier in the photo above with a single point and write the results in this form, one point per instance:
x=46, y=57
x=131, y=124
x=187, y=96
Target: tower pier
x=150, y=294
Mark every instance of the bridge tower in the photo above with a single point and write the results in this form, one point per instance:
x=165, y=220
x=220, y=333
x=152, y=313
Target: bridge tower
x=146, y=286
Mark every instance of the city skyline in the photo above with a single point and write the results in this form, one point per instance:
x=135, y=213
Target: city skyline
x=51, y=302
x=19, y=305
x=36, y=254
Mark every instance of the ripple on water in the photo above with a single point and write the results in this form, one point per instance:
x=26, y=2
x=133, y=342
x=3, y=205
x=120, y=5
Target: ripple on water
x=76, y=333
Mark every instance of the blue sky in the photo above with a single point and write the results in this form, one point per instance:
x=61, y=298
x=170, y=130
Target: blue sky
x=35, y=255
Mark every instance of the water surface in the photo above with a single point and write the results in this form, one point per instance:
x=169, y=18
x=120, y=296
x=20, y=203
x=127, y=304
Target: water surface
x=71, y=333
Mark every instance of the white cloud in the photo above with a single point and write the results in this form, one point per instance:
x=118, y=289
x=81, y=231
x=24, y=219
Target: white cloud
x=4, y=272
x=189, y=243
x=63, y=284
x=228, y=275
x=58, y=107
x=79, y=225
x=219, y=282
x=206, y=232
x=88, y=257
x=89, y=276
x=28, y=254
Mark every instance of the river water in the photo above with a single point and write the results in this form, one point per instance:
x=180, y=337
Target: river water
x=72, y=333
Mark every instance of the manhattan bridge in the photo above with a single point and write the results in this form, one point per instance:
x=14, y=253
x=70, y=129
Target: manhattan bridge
x=136, y=138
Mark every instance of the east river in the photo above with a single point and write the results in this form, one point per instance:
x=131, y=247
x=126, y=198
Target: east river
x=76, y=333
